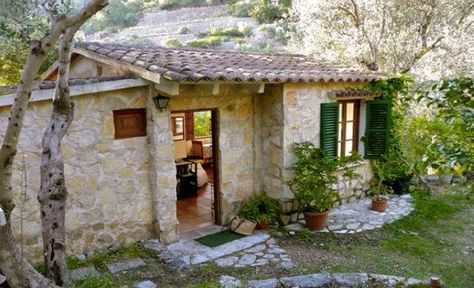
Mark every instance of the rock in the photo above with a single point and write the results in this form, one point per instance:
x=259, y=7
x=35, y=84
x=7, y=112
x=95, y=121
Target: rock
x=286, y=265
x=126, y=265
x=2, y=279
x=81, y=257
x=267, y=283
x=258, y=248
x=247, y=259
x=352, y=226
x=145, y=284
x=307, y=281
x=352, y=279
x=277, y=251
x=155, y=245
x=83, y=273
x=229, y=282
x=227, y=261
x=268, y=256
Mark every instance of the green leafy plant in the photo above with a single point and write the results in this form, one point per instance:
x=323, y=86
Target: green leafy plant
x=242, y=8
x=314, y=175
x=208, y=42
x=378, y=191
x=259, y=208
x=267, y=12
x=173, y=43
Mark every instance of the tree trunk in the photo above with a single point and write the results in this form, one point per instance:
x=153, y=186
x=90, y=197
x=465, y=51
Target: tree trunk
x=53, y=191
x=19, y=272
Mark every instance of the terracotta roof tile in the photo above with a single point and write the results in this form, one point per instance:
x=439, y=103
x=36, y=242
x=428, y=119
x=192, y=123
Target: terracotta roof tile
x=194, y=64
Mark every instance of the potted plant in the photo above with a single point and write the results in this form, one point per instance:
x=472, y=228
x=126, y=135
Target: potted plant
x=394, y=172
x=378, y=194
x=312, y=184
x=261, y=209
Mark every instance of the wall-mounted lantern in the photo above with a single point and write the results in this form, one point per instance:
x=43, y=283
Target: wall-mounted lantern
x=3, y=220
x=161, y=102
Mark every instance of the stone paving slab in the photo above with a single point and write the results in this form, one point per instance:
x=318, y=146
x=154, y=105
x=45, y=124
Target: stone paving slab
x=357, y=216
x=83, y=273
x=145, y=284
x=325, y=280
x=225, y=249
x=126, y=265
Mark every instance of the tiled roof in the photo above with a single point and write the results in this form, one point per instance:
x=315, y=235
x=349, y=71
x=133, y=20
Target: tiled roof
x=195, y=64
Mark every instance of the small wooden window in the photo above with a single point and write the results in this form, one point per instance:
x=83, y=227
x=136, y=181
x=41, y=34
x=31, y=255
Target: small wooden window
x=177, y=126
x=348, y=137
x=130, y=123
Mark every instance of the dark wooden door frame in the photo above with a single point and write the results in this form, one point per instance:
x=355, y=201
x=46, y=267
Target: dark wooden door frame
x=215, y=158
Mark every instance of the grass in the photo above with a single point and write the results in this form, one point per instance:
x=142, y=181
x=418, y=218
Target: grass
x=430, y=241
x=99, y=260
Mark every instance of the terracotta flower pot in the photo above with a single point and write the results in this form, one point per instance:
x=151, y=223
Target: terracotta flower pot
x=316, y=221
x=263, y=225
x=379, y=205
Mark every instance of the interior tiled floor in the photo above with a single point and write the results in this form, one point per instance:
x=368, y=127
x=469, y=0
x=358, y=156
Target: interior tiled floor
x=196, y=212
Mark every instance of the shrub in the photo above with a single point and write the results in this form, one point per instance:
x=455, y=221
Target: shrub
x=242, y=8
x=208, y=42
x=184, y=30
x=174, y=4
x=259, y=208
x=314, y=176
x=230, y=32
x=266, y=12
x=118, y=14
x=173, y=43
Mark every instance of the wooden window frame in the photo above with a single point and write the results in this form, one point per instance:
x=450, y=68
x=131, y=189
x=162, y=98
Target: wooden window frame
x=140, y=132
x=355, y=126
x=179, y=136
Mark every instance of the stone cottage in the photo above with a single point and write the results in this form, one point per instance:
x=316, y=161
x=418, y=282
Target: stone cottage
x=123, y=154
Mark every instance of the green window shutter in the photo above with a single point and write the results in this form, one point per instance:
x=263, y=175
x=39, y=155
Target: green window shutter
x=329, y=127
x=377, y=128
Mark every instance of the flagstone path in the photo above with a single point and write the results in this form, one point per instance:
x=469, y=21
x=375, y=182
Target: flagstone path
x=255, y=250
x=357, y=216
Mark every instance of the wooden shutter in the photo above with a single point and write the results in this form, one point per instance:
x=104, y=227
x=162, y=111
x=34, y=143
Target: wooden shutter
x=130, y=123
x=377, y=128
x=329, y=127
x=189, y=124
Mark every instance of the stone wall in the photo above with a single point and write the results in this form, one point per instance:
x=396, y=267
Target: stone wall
x=301, y=112
x=109, y=198
x=270, y=105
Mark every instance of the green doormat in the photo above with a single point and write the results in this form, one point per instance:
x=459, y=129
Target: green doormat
x=218, y=238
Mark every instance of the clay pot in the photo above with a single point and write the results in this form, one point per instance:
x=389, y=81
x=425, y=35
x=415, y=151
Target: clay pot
x=379, y=205
x=316, y=221
x=263, y=225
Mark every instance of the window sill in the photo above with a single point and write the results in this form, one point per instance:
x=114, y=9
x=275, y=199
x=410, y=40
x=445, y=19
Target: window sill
x=353, y=165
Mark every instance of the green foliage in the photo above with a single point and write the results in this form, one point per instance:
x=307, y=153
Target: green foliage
x=117, y=15
x=14, y=39
x=184, y=30
x=230, y=32
x=242, y=8
x=202, y=124
x=100, y=259
x=173, y=43
x=392, y=87
x=105, y=281
x=314, y=176
x=454, y=101
x=207, y=42
x=175, y=4
x=266, y=12
x=259, y=208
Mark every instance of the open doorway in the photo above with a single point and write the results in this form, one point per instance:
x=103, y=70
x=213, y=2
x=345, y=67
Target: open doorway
x=196, y=142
